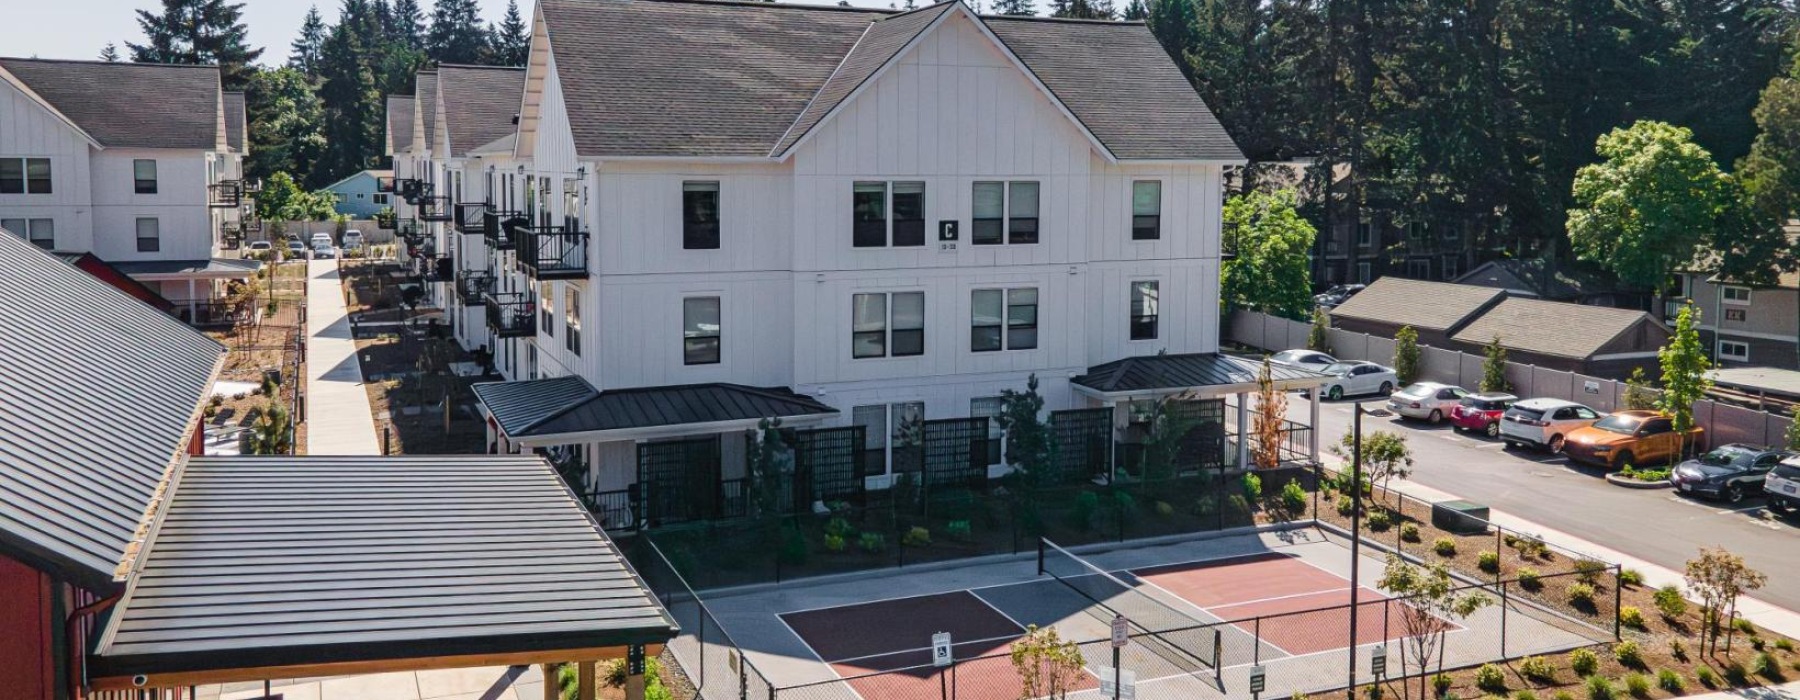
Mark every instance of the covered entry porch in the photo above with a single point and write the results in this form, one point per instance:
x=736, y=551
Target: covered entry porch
x=196, y=288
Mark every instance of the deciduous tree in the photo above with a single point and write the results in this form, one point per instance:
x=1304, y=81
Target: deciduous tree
x=1717, y=577
x=1649, y=204
x=1406, y=355
x=1271, y=272
x=1385, y=456
x=1685, y=370
x=1270, y=418
x=1433, y=604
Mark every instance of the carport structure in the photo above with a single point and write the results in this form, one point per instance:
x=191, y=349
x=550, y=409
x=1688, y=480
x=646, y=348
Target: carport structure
x=257, y=568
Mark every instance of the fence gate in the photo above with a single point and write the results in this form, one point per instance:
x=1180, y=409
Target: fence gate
x=1084, y=439
x=825, y=465
x=679, y=480
x=1203, y=447
x=956, y=453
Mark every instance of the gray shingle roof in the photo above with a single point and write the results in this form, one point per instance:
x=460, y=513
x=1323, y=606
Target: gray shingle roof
x=235, y=124
x=400, y=122
x=129, y=105
x=479, y=104
x=703, y=78
x=262, y=561
x=565, y=405
x=880, y=42
x=426, y=103
x=1552, y=328
x=1438, y=306
x=517, y=406
x=100, y=394
x=1186, y=371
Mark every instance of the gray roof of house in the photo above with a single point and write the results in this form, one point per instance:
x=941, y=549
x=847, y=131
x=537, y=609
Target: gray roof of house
x=707, y=78
x=479, y=104
x=101, y=393
x=1438, y=306
x=1185, y=371
x=129, y=105
x=1553, y=328
x=426, y=102
x=235, y=124
x=264, y=561
x=569, y=405
x=400, y=121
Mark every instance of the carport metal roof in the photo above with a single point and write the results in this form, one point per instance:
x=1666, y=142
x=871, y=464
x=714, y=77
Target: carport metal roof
x=282, y=567
x=566, y=409
x=1209, y=374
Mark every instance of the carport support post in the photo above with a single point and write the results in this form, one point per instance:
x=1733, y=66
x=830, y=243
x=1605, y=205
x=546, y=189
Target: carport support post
x=584, y=680
x=552, y=688
x=1312, y=410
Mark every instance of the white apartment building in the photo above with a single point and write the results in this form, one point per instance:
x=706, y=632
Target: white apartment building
x=136, y=165
x=864, y=223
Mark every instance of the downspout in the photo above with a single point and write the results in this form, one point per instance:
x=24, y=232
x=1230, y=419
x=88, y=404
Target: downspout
x=78, y=670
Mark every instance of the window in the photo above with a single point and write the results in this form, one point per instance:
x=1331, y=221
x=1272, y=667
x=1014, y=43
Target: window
x=1365, y=234
x=381, y=198
x=700, y=331
x=143, y=175
x=1144, y=310
x=1734, y=350
x=572, y=320
x=897, y=426
x=990, y=407
x=1736, y=295
x=868, y=203
x=884, y=324
x=25, y=176
x=1015, y=203
x=1003, y=319
x=546, y=314
x=1146, y=210
x=1415, y=232
x=41, y=232
x=149, y=235
x=909, y=214
x=700, y=215
x=1364, y=271
x=872, y=214
x=1453, y=233
x=1451, y=265
x=1418, y=268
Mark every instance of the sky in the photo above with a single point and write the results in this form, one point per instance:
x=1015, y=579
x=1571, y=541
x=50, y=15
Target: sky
x=80, y=28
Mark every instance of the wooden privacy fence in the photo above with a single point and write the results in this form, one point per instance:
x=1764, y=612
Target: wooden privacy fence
x=1723, y=422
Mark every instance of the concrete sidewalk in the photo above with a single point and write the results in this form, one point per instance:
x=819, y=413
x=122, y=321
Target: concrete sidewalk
x=338, y=418
x=1785, y=691
x=486, y=683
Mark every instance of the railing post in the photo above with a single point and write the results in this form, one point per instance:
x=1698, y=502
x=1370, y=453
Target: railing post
x=1503, y=615
x=1618, y=593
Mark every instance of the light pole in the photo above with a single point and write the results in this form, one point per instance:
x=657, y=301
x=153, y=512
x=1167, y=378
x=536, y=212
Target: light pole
x=1355, y=534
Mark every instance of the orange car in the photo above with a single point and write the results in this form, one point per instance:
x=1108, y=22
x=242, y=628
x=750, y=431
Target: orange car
x=1637, y=438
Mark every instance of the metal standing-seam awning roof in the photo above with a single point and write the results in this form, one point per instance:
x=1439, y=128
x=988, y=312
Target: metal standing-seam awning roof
x=567, y=409
x=1203, y=373
x=279, y=567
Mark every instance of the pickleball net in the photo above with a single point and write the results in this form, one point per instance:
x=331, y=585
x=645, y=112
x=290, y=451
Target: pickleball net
x=1186, y=642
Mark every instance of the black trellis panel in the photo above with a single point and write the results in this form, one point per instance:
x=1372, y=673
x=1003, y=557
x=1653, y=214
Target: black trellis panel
x=679, y=480
x=1203, y=447
x=956, y=453
x=826, y=460
x=1083, y=444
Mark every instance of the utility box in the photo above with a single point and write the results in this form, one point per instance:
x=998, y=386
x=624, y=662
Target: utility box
x=1461, y=517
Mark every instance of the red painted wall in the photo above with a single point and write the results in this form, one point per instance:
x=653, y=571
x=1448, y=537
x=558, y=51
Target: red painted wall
x=26, y=668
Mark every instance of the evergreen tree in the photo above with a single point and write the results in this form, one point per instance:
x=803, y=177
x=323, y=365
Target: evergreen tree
x=110, y=53
x=1013, y=7
x=1136, y=11
x=350, y=97
x=408, y=25
x=512, y=40
x=1176, y=25
x=1082, y=9
x=303, y=54
x=456, y=34
x=286, y=122
x=200, y=32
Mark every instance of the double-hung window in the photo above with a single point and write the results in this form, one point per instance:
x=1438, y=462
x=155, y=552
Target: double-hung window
x=1004, y=212
x=1735, y=295
x=909, y=214
x=41, y=232
x=869, y=208
x=25, y=176
x=700, y=215
x=700, y=331
x=880, y=221
x=149, y=235
x=886, y=324
x=1146, y=210
x=1003, y=319
x=1145, y=310
x=572, y=320
x=143, y=176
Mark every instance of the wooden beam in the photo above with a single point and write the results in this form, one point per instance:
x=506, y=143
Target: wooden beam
x=584, y=680
x=354, y=668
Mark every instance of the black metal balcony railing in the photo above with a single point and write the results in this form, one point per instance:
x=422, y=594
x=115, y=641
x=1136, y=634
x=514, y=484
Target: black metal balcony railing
x=385, y=184
x=225, y=194
x=434, y=208
x=500, y=228
x=252, y=187
x=406, y=229
x=553, y=252
x=473, y=286
x=231, y=233
x=437, y=268
x=422, y=247
x=511, y=315
x=411, y=189
x=252, y=226
x=471, y=217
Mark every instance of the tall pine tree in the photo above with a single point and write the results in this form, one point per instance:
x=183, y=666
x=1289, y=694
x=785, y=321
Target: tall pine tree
x=1082, y=9
x=456, y=34
x=512, y=39
x=203, y=32
x=350, y=95
x=1013, y=7
x=303, y=54
x=286, y=126
x=110, y=53
x=408, y=25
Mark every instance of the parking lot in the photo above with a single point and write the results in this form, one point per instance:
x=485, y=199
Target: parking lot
x=1655, y=525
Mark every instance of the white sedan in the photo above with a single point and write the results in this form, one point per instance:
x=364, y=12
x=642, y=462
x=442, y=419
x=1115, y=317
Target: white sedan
x=1311, y=360
x=1426, y=401
x=1354, y=378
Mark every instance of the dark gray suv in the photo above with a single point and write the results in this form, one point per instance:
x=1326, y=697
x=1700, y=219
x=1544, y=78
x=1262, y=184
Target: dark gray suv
x=1728, y=473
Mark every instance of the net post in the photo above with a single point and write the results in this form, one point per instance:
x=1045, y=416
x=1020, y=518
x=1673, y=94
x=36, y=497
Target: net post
x=1219, y=658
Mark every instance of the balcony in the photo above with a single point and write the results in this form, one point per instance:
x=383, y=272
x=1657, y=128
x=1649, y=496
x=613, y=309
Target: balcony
x=410, y=189
x=252, y=188
x=473, y=286
x=252, y=226
x=406, y=229
x=434, y=207
x=422, y=247
x=501, y=228
x=225, y=194
x=553, y=252
x=511, y=315
x=231, y=233
x=469, y=217
x=436, y=268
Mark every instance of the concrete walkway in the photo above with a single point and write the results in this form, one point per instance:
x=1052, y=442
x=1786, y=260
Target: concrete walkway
x=338, y=419
x=487, y=683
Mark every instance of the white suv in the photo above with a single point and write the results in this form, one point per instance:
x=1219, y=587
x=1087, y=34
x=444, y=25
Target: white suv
x=1782, y=487
x=1543, y=423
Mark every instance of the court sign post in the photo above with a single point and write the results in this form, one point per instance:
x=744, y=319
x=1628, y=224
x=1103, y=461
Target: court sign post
x=1258, y=681
x=941, y=657
x=1121, y=635
x=1378, y=662
x=1118, y=683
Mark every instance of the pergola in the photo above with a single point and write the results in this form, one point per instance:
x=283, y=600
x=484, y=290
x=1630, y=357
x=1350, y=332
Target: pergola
x=257, y=568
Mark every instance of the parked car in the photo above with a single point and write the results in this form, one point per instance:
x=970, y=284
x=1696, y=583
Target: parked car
x=1354, y=378
x=295, y=249
x=1729, y=472
x=1782, y=487
x=1337, y=294
x=1480, y=413
x=1637, y=438
x=323, y=251
x=353, y=240
x=321, y=237
x=1303, y=359
x=1544, y=423
x=1427, y=401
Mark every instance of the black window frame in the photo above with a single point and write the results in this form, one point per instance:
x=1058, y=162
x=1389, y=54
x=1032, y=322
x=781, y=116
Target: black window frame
x=137, y=177
x=696, y=342
x=868, y=231
x=155, y=245
x=31, y=180
x=572, y=320
x=986, y=337
x=1014, y=327
x=1146, y=326
x=546, y=293
x=698, y=233
x=908, y=232
x=1146, y=227
x=893, y=340
x=12, y=176
x=1023, y=230
x=987, y=230
x=858, y=336
x=28, y=230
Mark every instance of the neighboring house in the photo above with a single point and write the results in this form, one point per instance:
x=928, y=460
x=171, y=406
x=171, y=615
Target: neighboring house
x=1745, y=325
x=134, y=163
x=1552, y=280
x=1437, y=310
x=359, y=196
x=867, y=224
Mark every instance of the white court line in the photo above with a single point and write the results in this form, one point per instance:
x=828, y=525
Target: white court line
x=953, y=643
x=1220, y=619
x=1279, y=597
x=815, y=654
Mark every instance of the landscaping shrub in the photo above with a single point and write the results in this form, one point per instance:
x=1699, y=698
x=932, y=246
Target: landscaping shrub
x=1670, y=603
x=1252, y=487
x=1444, y=546
x=1637, y=684
x=916, y=537
x=1087, y=504
x=1757, y=643
x=1735, y=674
x=1765, y=665
x=1581, y=595
x=1631, y=577
x=958, y=529
x=1629, y=654
x=1440, y=683
x=1599, y=688
x=1410, y=532
x=1562, y=695
x=1537, y=669
x=1588, y=571
x=1164, y=509
x=1488, y=561
x=1346, y=505
x=793, y=547
x=1784, y=644
x=1528, y=579
x=1584, y=661
x=1669, y=680
x=1380, y=521
x=840, y=527
x=1631, y=616
x=1298, y=695
x=1706, y=676
x=1525, y=695
x=834, y=543
x=1293, y=498
x=1678, y=650
x=1491, y=679
x=872, y=542
x=1742, y=624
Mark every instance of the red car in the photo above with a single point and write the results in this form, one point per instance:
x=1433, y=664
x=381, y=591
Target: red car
x=1480, y=413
